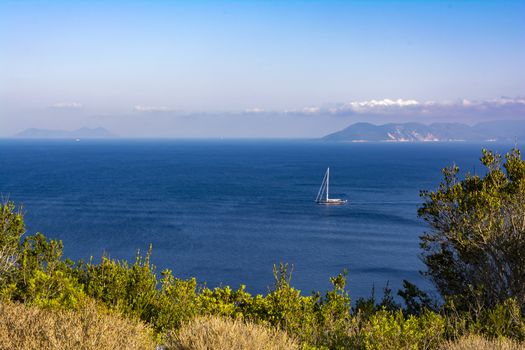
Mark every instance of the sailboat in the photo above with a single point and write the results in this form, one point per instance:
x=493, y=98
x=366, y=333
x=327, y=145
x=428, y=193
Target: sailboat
x=322, y=195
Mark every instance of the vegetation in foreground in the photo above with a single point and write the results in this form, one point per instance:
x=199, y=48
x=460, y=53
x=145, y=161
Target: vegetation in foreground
x=215, y=332
x=476, y=342
x=88, y=327
x=472, y=251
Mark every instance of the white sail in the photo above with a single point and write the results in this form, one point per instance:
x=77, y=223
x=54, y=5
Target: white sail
x=322, y=190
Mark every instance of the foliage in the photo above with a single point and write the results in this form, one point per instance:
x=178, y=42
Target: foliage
x=88, y=328
x=477, y=342
x=388, y=302
x=11, y=230
x=416, y=300
x=391, y=330
x=473, y=255
x=131, y=290
x=284, y=307
x=505, y=320
x=54, y=290
x=177, y=302
x=41, y=276
x=220, y=333
x=474, y=251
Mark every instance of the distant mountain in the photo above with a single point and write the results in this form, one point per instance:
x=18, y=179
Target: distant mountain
x=82, y=133
x=417, y=132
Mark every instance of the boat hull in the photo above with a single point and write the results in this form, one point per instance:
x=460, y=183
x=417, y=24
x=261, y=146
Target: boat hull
x=332, y=202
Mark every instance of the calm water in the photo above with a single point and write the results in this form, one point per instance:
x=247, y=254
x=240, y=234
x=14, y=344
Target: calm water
x=226, y=211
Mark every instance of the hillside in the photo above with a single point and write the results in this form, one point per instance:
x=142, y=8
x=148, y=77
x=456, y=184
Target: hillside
x=82, y=133
x=418, y=132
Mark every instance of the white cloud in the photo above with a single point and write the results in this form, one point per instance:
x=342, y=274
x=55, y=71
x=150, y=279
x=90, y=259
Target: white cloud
x=466, y=102
x=310, y=110
x=384, y=103
x=508, y=100
x=503, y=106
x=140, y=108
x=376, y=105
x=67, y=105
x=254, y=110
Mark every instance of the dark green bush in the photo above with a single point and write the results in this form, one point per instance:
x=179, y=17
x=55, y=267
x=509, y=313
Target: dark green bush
x=474, y=248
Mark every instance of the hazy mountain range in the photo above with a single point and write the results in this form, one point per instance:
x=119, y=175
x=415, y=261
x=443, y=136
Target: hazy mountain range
x=82, y=133
x=416, y=132
x=359, y=132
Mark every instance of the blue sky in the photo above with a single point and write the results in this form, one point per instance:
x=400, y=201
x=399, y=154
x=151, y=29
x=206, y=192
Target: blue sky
x=257, y=68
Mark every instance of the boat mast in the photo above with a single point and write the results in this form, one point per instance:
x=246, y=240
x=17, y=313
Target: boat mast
x=327, y=181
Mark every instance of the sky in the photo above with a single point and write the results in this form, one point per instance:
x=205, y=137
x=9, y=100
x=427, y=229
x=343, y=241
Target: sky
x=257, y=68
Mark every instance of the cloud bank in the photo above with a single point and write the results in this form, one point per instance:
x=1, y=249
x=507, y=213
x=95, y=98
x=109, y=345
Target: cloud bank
x=254, y=110
x=500, y=107
x=67, y=105
x=150, y=109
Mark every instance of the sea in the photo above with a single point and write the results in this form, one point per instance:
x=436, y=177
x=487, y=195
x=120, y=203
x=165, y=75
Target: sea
x=226, y=211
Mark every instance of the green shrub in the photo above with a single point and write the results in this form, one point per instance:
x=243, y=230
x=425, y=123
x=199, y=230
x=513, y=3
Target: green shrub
x=504, y=320
x=54, y=290
x=176, y=302
x=223, y=301
x=131, y=290
x=42, y=277
x=392, y=330
x=11, y=229
x=474, y=248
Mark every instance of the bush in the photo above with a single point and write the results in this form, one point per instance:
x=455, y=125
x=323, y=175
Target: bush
x=54, y=290
x=131, y=290
x=89, y=328
x=391, y=330
x=476, y=342
x=42, y=277
x=11, y=230
x=504, y=320
x=474, y=251
x=176, y=303
x=219, y=333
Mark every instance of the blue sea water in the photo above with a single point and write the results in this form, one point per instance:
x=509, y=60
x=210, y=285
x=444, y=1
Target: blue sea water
x=225, y=211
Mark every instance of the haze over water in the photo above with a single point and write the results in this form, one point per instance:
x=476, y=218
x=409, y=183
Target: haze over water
x=225, y=211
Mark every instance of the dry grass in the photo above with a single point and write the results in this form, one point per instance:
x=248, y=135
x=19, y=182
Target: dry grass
x=476, y=342
x=218, y=333
x=24, y=327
